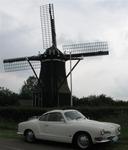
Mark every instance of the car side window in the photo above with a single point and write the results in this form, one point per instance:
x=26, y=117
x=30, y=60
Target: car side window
x=55, y=116
x=44, y=118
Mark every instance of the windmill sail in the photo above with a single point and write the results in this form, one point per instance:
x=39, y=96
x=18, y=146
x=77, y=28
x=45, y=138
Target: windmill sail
x=48, y=25
x=18, y=64
x=86, y=49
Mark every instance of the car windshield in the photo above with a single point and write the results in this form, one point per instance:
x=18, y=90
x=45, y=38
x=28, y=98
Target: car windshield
x=73, y=115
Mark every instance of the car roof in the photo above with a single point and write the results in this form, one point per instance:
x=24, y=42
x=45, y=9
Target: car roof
x=60, y=110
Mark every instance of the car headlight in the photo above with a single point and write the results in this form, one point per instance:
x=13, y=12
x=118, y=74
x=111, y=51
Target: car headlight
x=119, y=129
x=102, y=132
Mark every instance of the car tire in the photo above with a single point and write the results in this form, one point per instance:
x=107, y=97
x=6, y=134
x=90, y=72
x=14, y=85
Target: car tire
x=29, y=136
x=82, y=141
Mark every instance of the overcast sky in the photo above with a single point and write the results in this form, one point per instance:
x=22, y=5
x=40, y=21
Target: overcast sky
x=76, y=21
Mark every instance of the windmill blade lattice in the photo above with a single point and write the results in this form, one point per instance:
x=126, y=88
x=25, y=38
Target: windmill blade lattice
x=46, y=25
x=20, y=65
x=86, y=49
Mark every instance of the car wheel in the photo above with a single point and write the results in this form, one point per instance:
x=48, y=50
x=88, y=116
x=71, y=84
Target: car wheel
x=83, y=141
x=29, y=136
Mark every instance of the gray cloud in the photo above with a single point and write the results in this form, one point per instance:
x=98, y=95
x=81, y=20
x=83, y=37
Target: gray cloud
x=113, y=4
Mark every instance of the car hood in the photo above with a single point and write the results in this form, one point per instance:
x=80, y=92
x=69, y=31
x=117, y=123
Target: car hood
x=28, y=121
x=96, y=124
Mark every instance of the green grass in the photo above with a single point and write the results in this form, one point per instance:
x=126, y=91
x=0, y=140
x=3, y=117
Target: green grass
x=8, y=129
x=9, y=134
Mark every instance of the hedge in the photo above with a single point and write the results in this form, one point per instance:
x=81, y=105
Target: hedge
x=21, y=114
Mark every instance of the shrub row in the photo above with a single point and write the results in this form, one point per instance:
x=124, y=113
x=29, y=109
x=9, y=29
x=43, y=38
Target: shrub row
x=20, y=114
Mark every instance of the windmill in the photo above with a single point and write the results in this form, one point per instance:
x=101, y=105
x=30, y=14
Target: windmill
x=52, y=87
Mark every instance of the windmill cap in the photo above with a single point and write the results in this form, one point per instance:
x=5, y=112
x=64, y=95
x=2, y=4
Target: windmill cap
x=53, y=52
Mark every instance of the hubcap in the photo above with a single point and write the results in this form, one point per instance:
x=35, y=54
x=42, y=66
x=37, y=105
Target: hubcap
x=30, y=136
x=83, y=141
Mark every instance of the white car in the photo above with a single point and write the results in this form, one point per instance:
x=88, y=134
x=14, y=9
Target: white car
x=68, y=126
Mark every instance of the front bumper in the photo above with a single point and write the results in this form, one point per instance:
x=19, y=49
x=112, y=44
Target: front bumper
x=108, y=139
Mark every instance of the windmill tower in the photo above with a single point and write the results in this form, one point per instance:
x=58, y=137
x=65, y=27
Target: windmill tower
x=52, y=88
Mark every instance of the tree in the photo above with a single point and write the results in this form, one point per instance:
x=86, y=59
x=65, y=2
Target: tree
x=27, y=88
x=100, y=100
x=8, y=97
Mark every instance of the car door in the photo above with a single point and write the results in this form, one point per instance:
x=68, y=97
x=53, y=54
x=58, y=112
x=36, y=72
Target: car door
x=43, y=123
x=54, y=127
